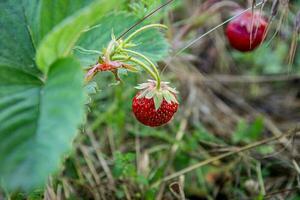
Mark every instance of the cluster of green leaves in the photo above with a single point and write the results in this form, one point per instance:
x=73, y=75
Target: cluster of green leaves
x=41, y=86
x=42, y=95
x=150, y=43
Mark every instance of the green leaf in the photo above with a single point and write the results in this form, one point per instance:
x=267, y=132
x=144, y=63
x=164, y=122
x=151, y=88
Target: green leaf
x=38, y=122
x=24, y=23
x=151, y=43
x=61, y=40
x=43, y=15
x=16, y=46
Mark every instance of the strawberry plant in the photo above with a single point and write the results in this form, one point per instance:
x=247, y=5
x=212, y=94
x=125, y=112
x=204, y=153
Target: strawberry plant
x=157, y=103
x=46, y=58
x=80, y=120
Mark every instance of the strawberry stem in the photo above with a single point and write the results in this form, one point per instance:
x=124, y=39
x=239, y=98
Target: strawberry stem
x=116, y=47
x=143, y=65
x=149, y=61
x=131, y=36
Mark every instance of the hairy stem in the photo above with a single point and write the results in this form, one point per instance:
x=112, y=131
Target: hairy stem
x=149, y=61
x=143, y=65
x=131, y=36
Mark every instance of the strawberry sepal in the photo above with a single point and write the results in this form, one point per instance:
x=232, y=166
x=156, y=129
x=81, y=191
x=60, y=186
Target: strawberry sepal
x=150, y=91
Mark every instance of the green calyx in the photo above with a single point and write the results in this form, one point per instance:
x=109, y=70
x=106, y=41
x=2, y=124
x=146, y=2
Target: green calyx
x=165, y=92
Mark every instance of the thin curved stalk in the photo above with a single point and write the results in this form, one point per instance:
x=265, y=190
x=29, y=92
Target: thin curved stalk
x=145, y=58
x=131, y=36
x=145, y=67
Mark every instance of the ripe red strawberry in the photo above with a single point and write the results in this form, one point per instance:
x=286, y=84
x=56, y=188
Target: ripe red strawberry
x=247, y=31
x=154, y=107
